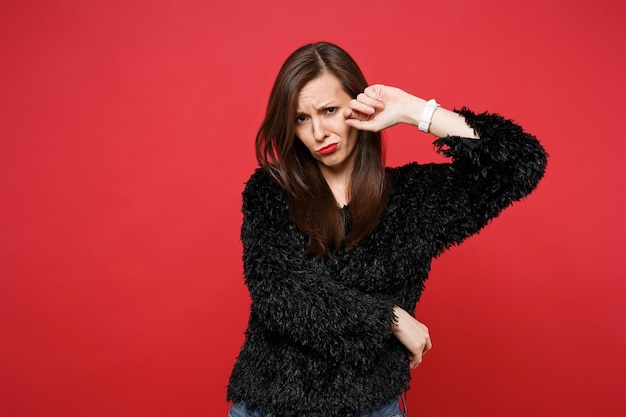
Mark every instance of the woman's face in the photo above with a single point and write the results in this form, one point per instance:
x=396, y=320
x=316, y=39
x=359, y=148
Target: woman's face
x=321, y=127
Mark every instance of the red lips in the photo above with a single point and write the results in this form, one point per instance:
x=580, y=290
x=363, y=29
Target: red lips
x=326, y=150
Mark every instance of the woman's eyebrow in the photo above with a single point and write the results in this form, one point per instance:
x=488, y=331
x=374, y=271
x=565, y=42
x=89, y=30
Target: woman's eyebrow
x=327, y=104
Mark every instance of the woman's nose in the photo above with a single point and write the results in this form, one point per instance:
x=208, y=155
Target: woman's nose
x=319, y=130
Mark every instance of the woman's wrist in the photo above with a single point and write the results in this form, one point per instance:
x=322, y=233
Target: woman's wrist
x=443, y=122
x=414, y=110
x=427, y=115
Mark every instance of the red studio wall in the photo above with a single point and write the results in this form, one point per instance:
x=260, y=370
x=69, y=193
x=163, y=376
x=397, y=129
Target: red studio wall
x=126, y=135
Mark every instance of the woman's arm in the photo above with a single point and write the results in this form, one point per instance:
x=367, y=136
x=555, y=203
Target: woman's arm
x=494, y=163
x=294, y=295
x=380, y=107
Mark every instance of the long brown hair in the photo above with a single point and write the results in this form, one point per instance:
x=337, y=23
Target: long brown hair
x=312, y=205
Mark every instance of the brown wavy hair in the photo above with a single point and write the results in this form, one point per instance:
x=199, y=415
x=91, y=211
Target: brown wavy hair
x=312, y=205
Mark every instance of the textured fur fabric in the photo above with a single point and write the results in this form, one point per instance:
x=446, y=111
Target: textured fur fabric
x=319, y=341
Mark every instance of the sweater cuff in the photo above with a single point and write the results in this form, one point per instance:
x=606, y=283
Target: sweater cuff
x=504, y=154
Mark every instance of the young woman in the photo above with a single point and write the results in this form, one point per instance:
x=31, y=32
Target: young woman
x=337, y=246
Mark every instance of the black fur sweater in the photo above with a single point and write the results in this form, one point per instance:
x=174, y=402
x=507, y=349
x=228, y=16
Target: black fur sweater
x=319, y=341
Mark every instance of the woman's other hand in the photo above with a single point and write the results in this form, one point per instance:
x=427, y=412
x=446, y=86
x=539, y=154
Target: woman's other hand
x=412, y=334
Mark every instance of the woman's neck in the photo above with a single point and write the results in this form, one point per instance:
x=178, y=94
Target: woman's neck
x=339, y=184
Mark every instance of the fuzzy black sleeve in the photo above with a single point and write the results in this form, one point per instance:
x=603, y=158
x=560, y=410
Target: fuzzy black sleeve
x=294, y=295
x=484, y=177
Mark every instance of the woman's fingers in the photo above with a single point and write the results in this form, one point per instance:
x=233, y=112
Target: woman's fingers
x=369, y=101
x=373, y=101
x=428, y=346
x=363, y=106
x=413, y=334
x=378, y=107
x=375, y=92
x=362, y=121
x=416, y=357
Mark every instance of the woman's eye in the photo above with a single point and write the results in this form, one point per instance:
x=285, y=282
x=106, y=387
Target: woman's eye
x=300, y=119
x=331, y=110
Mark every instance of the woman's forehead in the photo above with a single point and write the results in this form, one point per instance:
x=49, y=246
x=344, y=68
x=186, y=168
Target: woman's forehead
x=320, y=92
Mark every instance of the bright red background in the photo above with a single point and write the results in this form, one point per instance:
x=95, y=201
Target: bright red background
x=127, y=134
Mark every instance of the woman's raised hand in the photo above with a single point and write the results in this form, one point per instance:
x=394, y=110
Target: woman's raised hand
x=379, y=107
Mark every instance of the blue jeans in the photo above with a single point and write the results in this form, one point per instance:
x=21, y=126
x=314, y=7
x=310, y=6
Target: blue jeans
x=390, y=410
